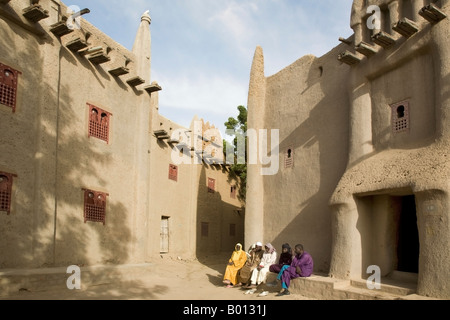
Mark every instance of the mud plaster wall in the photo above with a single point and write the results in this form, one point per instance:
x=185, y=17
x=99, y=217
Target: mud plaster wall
x=308, y=103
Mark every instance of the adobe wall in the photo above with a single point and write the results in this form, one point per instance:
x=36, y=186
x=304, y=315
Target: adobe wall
x=170, y=198
x=384, y=163
x=307, y=102
x=46, y=144
x=220, y=210
x=27, y=151
x=187, y=201
x=54, y=158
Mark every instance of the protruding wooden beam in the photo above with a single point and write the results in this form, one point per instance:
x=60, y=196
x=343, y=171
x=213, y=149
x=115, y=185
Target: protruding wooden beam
x=154, y=87
x=349, y=58
x=383, y=39
x=120, y=71
x=76, y=45
x=406, y=27
x=97, y=55
x=161, y=134
x=60, y=28
x=346, y=41
x=35, y=13
x=365, y=49
x=432, y=14
x=134, y=82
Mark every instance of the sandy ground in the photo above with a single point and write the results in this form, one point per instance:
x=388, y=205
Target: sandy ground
x=164, y=279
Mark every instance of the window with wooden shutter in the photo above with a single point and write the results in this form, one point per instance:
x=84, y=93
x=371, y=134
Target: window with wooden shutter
x=8, y=86
x=211, y=185
x=173, y=172
x=99, y=123
x=233, y=192
x=94, y=206
x=6, y=180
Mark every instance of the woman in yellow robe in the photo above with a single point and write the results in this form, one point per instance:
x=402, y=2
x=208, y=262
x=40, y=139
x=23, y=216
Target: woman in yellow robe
x=236, y=262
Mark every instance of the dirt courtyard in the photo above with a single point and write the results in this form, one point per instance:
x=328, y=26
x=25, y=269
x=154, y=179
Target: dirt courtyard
x=164, y=278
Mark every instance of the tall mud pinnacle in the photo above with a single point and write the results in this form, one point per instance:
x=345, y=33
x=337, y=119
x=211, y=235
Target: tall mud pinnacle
x=254, y=219
x=142, y=48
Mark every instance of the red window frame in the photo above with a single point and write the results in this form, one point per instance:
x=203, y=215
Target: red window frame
x=94, y=206
x=8, y=86
x=211, y=185
x=6, y=182
x=99, y=123
x=173, y=172
x=233, y=192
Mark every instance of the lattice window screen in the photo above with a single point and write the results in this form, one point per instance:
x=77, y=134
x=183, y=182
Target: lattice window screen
x=95, y=206
x=99, y=123
x=8, y=86
x=289, y=158
x=6, y=180
x=211, y=185
x=400, y=117
x=173, y=172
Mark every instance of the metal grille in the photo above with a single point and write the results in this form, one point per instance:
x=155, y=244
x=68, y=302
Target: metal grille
x=8, y=96
x=99, y=123
x=400, y=117
x=5, y=201
x=94, y=213
x=8, y=86
x=5, y=192
x=95, y=206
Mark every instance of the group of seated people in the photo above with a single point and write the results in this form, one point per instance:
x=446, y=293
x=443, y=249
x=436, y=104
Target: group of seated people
x=248, y=269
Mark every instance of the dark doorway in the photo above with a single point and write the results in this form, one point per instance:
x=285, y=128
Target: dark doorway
x=408, y=237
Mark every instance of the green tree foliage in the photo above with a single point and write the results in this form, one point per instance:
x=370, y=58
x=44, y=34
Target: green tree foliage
x=238, y=171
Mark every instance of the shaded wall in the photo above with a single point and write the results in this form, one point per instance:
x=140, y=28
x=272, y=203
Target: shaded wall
x=308, y=103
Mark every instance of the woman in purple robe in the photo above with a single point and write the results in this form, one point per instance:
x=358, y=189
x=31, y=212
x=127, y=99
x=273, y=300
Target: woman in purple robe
x=301, y=266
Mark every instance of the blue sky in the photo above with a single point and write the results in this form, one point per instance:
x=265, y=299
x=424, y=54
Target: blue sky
x=202, y=50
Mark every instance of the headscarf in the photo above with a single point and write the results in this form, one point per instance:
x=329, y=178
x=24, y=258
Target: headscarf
x=287, y=246
x=237, y=252
x=271, y=248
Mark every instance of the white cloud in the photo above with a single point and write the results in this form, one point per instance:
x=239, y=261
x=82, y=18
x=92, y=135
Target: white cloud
x=201, y=92
x=202, y=50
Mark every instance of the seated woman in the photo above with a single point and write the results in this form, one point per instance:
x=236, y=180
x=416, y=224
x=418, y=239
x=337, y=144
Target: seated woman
x=236, y=262
x=259, y=274
x=252, y=263
x=285, y=259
